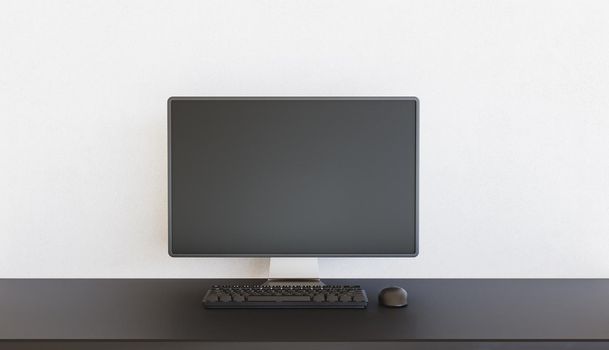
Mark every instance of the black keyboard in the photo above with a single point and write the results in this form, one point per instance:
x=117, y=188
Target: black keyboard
x=289, y=297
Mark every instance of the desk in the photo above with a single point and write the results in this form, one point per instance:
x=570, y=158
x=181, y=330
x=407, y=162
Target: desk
x=167, y=314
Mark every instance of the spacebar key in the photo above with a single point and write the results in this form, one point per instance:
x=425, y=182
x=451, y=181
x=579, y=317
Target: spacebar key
x=279, y=298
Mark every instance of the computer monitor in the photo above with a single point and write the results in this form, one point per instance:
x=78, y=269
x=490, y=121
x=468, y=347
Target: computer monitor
x=293, y=176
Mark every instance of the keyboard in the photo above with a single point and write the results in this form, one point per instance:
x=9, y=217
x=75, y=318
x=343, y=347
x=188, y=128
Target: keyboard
x=288, y=297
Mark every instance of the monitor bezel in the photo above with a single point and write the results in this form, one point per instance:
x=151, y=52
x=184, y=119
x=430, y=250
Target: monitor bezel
x=237, y=255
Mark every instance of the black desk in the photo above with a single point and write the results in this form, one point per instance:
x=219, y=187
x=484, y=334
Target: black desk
x=167, y=314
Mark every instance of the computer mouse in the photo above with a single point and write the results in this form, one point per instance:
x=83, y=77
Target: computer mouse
x=393, y=297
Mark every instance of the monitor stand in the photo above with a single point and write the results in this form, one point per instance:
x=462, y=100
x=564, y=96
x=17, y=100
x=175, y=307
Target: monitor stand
x=293, y=272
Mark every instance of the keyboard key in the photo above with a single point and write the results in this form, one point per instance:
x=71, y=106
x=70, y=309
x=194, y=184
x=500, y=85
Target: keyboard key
x=332, y=298
x=345, y=298
x=279, y=298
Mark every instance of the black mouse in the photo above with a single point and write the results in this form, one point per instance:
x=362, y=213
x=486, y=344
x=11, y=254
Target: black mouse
x=393, y=297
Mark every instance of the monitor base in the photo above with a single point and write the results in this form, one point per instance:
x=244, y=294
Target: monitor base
x=277, y=282
x=294, y=272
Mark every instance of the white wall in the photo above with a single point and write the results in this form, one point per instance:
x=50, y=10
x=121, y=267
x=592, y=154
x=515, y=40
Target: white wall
x=514, y=125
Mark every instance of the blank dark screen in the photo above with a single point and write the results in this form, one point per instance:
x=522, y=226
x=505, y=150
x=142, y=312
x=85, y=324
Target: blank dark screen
x=293, y=177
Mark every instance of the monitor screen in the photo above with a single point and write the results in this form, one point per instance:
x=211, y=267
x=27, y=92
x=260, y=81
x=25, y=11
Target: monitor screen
x=293, y=176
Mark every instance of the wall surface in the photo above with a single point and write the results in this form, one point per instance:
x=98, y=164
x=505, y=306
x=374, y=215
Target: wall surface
x=514, y=125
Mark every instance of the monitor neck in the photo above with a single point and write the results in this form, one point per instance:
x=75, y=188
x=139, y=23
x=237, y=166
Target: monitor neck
x=293, y=271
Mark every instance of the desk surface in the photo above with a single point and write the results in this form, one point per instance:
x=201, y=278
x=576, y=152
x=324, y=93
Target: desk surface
x=170, y=309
